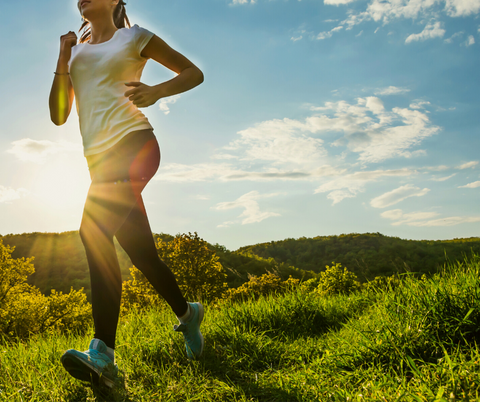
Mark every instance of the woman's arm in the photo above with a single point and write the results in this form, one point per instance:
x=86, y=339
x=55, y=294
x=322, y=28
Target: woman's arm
x=61, y=94
x=189, y=75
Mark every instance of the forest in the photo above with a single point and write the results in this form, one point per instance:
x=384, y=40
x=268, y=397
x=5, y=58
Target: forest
x=60, y=261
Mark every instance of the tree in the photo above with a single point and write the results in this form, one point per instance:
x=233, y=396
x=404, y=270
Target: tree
x=196, y=266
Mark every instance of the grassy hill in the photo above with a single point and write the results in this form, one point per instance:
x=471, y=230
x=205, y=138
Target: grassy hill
x=416, y=342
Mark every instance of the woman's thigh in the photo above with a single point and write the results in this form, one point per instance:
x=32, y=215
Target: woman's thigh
x=118, y=177
x=135, y=157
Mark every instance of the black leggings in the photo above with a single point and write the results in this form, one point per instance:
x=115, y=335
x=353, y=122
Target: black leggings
x=114, y=207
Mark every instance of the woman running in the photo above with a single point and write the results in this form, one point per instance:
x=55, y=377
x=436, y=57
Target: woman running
x=103, y=73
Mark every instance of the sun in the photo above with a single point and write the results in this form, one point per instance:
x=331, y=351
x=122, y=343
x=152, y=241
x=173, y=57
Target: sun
x=61, y=182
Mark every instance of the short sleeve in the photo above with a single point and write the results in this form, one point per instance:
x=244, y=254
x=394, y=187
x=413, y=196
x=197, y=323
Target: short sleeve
x=141, y=37
x=72, y=54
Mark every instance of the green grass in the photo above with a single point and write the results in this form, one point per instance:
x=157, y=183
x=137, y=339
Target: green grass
x=417, y=342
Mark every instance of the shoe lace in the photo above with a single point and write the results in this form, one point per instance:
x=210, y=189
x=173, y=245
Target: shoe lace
x=93, y=352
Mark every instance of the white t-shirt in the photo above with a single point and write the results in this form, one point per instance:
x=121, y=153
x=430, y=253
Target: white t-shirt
x=99, y=73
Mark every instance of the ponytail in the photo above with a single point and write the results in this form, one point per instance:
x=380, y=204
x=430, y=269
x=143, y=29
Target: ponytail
x=120, y=20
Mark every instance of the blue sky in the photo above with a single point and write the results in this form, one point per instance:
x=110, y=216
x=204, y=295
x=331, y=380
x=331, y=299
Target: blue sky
x=315, y=118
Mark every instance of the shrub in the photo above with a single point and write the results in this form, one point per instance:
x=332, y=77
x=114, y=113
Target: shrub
x=382, y=283
x=334, y=280
x=138, y=293
x=310, y=284
x=24, y=310
x=261, y=286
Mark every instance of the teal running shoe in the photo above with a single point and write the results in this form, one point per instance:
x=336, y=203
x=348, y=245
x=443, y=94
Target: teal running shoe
x=194, y=341
x=91, y=365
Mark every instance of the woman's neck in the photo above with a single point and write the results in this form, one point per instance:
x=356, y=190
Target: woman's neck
x=101, y=31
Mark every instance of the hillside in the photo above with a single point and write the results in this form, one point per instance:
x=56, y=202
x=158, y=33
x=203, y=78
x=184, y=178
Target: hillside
x=60, y=261
x=368, y=254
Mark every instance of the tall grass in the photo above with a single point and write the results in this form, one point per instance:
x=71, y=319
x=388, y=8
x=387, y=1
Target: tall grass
x=417, y=342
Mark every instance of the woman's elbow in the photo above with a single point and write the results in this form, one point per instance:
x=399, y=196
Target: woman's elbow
x=56, y=120
x=200, y=76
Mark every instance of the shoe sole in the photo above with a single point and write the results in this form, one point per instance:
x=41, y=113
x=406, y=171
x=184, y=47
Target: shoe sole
x=83, y=371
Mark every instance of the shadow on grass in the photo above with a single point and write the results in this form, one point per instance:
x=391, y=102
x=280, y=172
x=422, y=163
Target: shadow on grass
x=84, y=390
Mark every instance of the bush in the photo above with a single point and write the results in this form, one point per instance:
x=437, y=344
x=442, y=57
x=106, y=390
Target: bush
x=24, y=310
x=382, y=283
x=261, y=286
x=334, y=280
x=310, y=284
x=138, y=293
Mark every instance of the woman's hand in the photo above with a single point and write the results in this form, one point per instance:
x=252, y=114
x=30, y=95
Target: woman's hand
x=142, y=95
x=67, y=41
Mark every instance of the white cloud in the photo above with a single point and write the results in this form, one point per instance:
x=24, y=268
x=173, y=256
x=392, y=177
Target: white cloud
x=251, y=213
x=397, y=195
x=391, y=90
x=462, y=8
x=290, y=149
x=429, y=32
x=437, y=168
x=337, y=2
x=328, y=34
x=374, y=104
x=455, y=35
x=418, y=104
x=177, y=172
x=420, y=219
x=386, y=11
x=224, y=156
x=350, y=185
x=294, y=39
x=443, y=178
x=235, y=2
x=281, y=142
x=375, y=138
x=10, y=194
x=468, y=165
x=449, y=221
x=28, y=150
x=470, y=41
x=414, y=154
x=475, y=184
x=165, y=102
x=401, y=218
